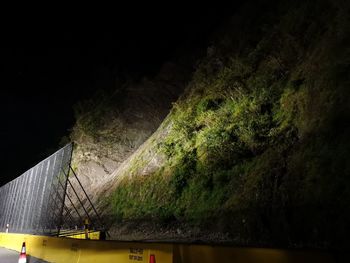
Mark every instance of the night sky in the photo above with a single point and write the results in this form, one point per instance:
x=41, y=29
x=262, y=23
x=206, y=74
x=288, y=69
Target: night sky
x=50, y=70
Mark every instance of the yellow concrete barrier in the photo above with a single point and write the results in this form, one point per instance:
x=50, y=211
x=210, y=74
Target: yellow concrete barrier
x=68, y=250
x=208, y=254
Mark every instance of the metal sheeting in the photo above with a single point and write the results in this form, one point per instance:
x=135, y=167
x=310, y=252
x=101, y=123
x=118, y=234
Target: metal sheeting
x=33, y=202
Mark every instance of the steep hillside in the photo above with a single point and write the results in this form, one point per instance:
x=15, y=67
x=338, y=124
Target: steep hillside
x=253, y=152
x=112, y=125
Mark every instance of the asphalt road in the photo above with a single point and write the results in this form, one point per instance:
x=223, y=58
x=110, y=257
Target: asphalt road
x=10, y=256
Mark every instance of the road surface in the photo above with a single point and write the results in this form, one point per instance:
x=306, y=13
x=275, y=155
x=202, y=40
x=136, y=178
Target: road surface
x=10, y=256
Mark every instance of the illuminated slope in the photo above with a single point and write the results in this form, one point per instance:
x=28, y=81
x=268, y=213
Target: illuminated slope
x=255, y=150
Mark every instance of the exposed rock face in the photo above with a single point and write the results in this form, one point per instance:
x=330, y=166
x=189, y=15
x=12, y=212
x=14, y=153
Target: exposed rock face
x=125, y=119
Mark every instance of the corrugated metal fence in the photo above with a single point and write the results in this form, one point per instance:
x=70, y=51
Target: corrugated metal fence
x=34, y=202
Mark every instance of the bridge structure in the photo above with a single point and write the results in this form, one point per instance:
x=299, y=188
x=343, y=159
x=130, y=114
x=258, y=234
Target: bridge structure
x=38, y=201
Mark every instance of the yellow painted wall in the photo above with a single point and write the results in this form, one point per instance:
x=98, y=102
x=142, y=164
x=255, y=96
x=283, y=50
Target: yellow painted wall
x=68, y=250
x=209, y=254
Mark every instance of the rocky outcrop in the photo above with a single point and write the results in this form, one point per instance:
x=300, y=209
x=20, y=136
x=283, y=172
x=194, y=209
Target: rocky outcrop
x=109, y=130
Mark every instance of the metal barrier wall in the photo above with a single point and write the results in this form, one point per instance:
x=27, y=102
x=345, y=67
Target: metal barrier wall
x=34, y=202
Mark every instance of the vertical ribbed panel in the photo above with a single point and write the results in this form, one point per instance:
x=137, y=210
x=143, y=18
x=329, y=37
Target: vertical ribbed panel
x=32, y=203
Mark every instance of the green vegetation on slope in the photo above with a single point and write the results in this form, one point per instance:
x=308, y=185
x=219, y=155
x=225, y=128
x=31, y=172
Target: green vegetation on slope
x=259, y=141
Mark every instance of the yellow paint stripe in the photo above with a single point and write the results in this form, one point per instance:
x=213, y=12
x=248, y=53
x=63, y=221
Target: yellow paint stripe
x=94, y=235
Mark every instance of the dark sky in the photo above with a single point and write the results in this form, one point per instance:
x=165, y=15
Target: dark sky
x=50, y=69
